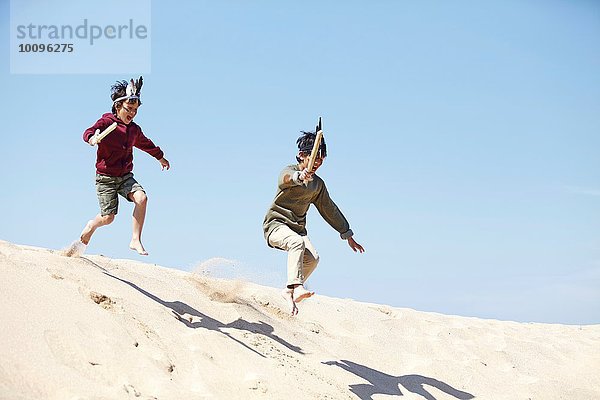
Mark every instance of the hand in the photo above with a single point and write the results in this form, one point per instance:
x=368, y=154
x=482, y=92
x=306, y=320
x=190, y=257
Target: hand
x=306, y=176
x=336, y=363
x=94, y=139
x=164, y=163
x=355, y=246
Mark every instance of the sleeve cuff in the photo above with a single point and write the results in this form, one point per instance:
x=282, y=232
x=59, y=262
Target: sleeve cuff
x=296, y=178
x=347, y=235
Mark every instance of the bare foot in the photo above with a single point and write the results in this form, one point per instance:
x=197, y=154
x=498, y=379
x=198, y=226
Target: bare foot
x=87, y=233
x=288, y=295
x=300, y=293
x=136, y=245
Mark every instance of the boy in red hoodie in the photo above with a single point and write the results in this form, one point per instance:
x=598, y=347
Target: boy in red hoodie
x=114, y=162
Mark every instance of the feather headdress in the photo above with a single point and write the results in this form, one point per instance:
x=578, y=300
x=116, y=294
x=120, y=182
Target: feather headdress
x=132, y=91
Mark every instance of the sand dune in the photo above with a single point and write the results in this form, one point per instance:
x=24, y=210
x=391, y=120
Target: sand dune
x=100, y=328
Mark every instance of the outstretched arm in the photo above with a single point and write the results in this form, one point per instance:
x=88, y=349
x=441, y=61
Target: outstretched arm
x=145, y=144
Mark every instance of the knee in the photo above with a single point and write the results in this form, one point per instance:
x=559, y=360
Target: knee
x=140, y=198
x=297, y=243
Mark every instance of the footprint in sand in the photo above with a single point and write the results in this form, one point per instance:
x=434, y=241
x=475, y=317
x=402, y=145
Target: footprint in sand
x=385, y=310
x=271, y=308
x=314, y=327
x=255, y=382
x=103, y=301
x=130, y=389
x=55, y=274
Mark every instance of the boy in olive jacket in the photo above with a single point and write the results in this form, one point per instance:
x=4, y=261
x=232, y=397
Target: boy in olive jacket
x=285, y=223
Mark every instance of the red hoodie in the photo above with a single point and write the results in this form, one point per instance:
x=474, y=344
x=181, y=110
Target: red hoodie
x=115, y=151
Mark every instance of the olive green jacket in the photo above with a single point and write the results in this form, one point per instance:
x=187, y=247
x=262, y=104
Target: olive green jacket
x=292, y=201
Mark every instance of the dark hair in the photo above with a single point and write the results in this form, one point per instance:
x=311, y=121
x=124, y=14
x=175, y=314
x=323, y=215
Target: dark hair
x=306, y=142
x=119, y=89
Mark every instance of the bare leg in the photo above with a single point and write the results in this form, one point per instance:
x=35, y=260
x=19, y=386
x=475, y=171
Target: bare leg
x=139, y=215
x=93, y=224
x=288, y=295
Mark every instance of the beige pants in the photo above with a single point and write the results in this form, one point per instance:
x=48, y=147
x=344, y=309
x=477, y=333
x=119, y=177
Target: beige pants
x=302, y=256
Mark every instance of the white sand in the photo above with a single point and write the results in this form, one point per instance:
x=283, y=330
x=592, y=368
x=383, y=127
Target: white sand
x=99, y=328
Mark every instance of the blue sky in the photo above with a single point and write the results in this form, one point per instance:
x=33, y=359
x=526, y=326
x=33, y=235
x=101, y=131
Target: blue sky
x=462, y=141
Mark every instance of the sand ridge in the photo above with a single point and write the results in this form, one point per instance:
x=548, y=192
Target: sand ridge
x=101, y=328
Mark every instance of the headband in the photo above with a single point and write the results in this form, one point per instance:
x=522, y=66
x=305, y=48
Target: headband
x=308, y=149
x=131, y=91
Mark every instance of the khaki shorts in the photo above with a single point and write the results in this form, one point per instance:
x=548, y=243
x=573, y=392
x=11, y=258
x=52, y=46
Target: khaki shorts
x=109, y=187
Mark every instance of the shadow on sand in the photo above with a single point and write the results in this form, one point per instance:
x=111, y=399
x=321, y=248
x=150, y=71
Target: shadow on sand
x=180, y=309
x=380, y=383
